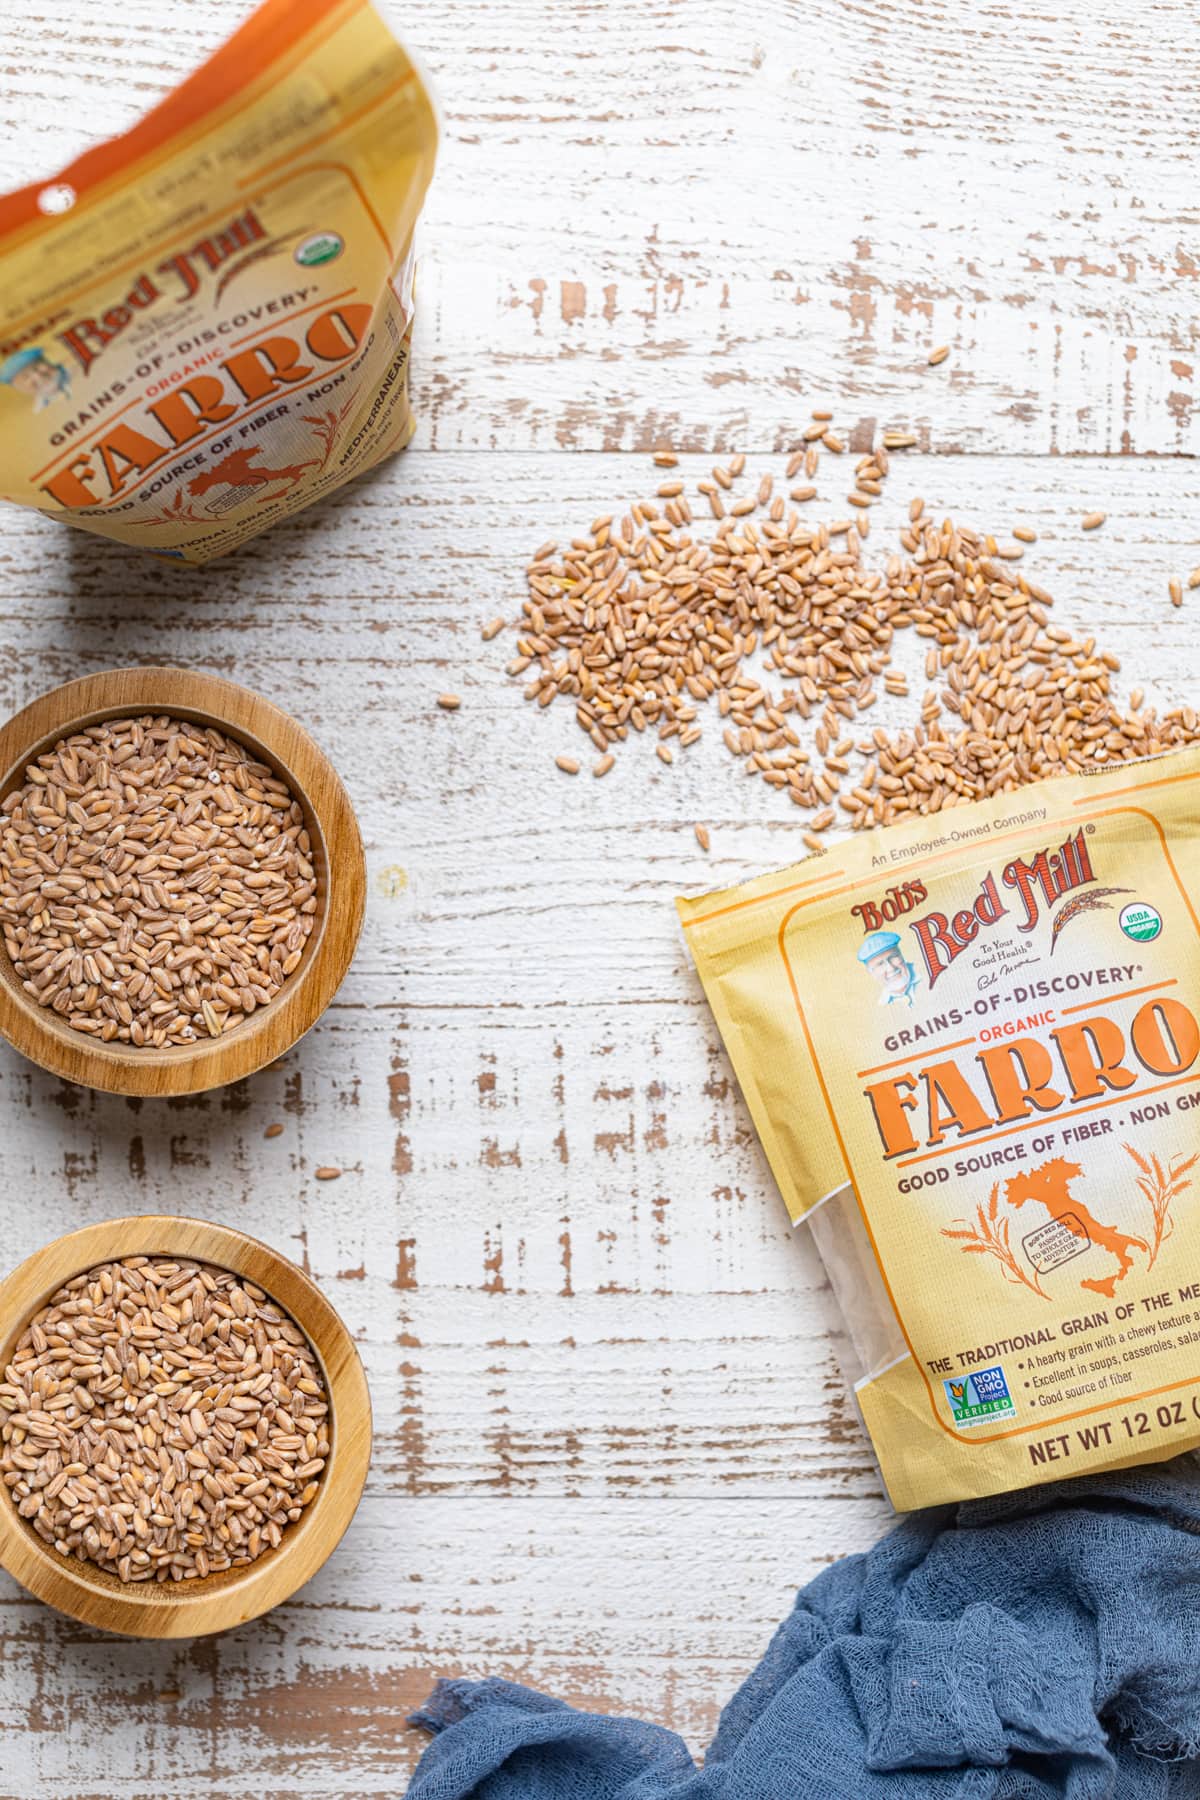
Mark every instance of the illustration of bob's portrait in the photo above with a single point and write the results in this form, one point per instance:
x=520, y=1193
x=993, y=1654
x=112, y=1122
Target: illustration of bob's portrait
x=31, y=372
x=881, y=956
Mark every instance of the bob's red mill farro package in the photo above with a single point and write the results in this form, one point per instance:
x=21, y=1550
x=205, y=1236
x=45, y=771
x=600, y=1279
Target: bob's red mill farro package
x=205, y=323
x=971, y=1049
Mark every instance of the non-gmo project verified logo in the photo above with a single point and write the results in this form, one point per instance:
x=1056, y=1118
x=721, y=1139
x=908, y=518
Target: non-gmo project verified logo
x=980, y=1399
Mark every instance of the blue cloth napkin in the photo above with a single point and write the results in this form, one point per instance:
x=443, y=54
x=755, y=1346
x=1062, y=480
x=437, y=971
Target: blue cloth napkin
x=1037, y=1645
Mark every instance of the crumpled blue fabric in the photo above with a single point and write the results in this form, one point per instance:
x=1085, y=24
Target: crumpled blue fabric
x=1035, y=1646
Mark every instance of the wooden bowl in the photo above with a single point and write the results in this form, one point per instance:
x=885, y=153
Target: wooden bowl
x=214, y=1602
x=337, y=854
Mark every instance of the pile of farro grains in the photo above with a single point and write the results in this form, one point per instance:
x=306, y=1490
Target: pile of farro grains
x=156, y=882
x=162, y=1419
x=642, y=620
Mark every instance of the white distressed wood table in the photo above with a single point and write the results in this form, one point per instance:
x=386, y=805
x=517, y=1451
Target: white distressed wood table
x=611, y=1435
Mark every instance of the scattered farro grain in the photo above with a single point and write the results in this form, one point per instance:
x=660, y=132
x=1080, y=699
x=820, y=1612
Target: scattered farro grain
x=899, y=440
x=273, y=1131
x=449, y=702
x=939, y=355
x=702, y=837
x=491, y=629
x=819, y=414
x=813, y=433
x=604, y=765
x=1194, y=579
x=737, y=464
x=795, y=463
x=812, y=840
x=567, y=764
x=1025, y=534
x=802, y=493
x=1135, y=699
x=667, y=490
x=1091, y=520
x=857, y=499
x=666, y=459
x=833, y=443
x=156, y=883
x=163, y=1420
x=637, y=633
x=1175, y=587
x=327, y=1172
x=665, y=753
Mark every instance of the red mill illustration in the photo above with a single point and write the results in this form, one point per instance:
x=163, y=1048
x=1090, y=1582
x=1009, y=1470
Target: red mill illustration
x=1045, y=878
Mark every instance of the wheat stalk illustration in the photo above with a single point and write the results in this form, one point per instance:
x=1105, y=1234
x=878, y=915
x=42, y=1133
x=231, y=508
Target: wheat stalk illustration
x=1092, y=901
x=328, y=425
x=989, y=1237
x=1160, y=1187
x=178, y=511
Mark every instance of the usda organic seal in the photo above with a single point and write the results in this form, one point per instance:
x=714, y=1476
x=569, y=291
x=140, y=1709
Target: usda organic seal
x=321, y=247
x=1140, y=922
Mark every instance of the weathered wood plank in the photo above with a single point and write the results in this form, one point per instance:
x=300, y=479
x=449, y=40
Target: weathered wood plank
x=629, y=1604
x=688, y=227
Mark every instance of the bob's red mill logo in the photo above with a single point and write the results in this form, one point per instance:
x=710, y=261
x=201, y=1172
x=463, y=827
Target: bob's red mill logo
x=181, y=274
x=1034, y=884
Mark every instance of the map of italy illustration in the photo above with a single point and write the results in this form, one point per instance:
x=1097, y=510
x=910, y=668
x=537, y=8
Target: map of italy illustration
x=1049, y=1188
x=1049, y=1185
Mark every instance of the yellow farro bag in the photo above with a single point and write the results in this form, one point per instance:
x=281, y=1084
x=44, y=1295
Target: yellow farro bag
x=205, y=323
x=971, y=1047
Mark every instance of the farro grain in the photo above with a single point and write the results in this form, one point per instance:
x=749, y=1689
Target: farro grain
x=327, y=1172
x=273, y=1131
x=567, y=764
x=449, y=702
x=162, y=1419
x=156, y=883
x=939, y=355
x=1175, y=588
x=1091, y=520
x=604, y=765
x=639, y=633
x=702, y=837
x=1024, y=534
x=491, y=629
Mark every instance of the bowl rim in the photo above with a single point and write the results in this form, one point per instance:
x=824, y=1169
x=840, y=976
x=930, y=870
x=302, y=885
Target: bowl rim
x=214, y=1602
x=271, y=733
